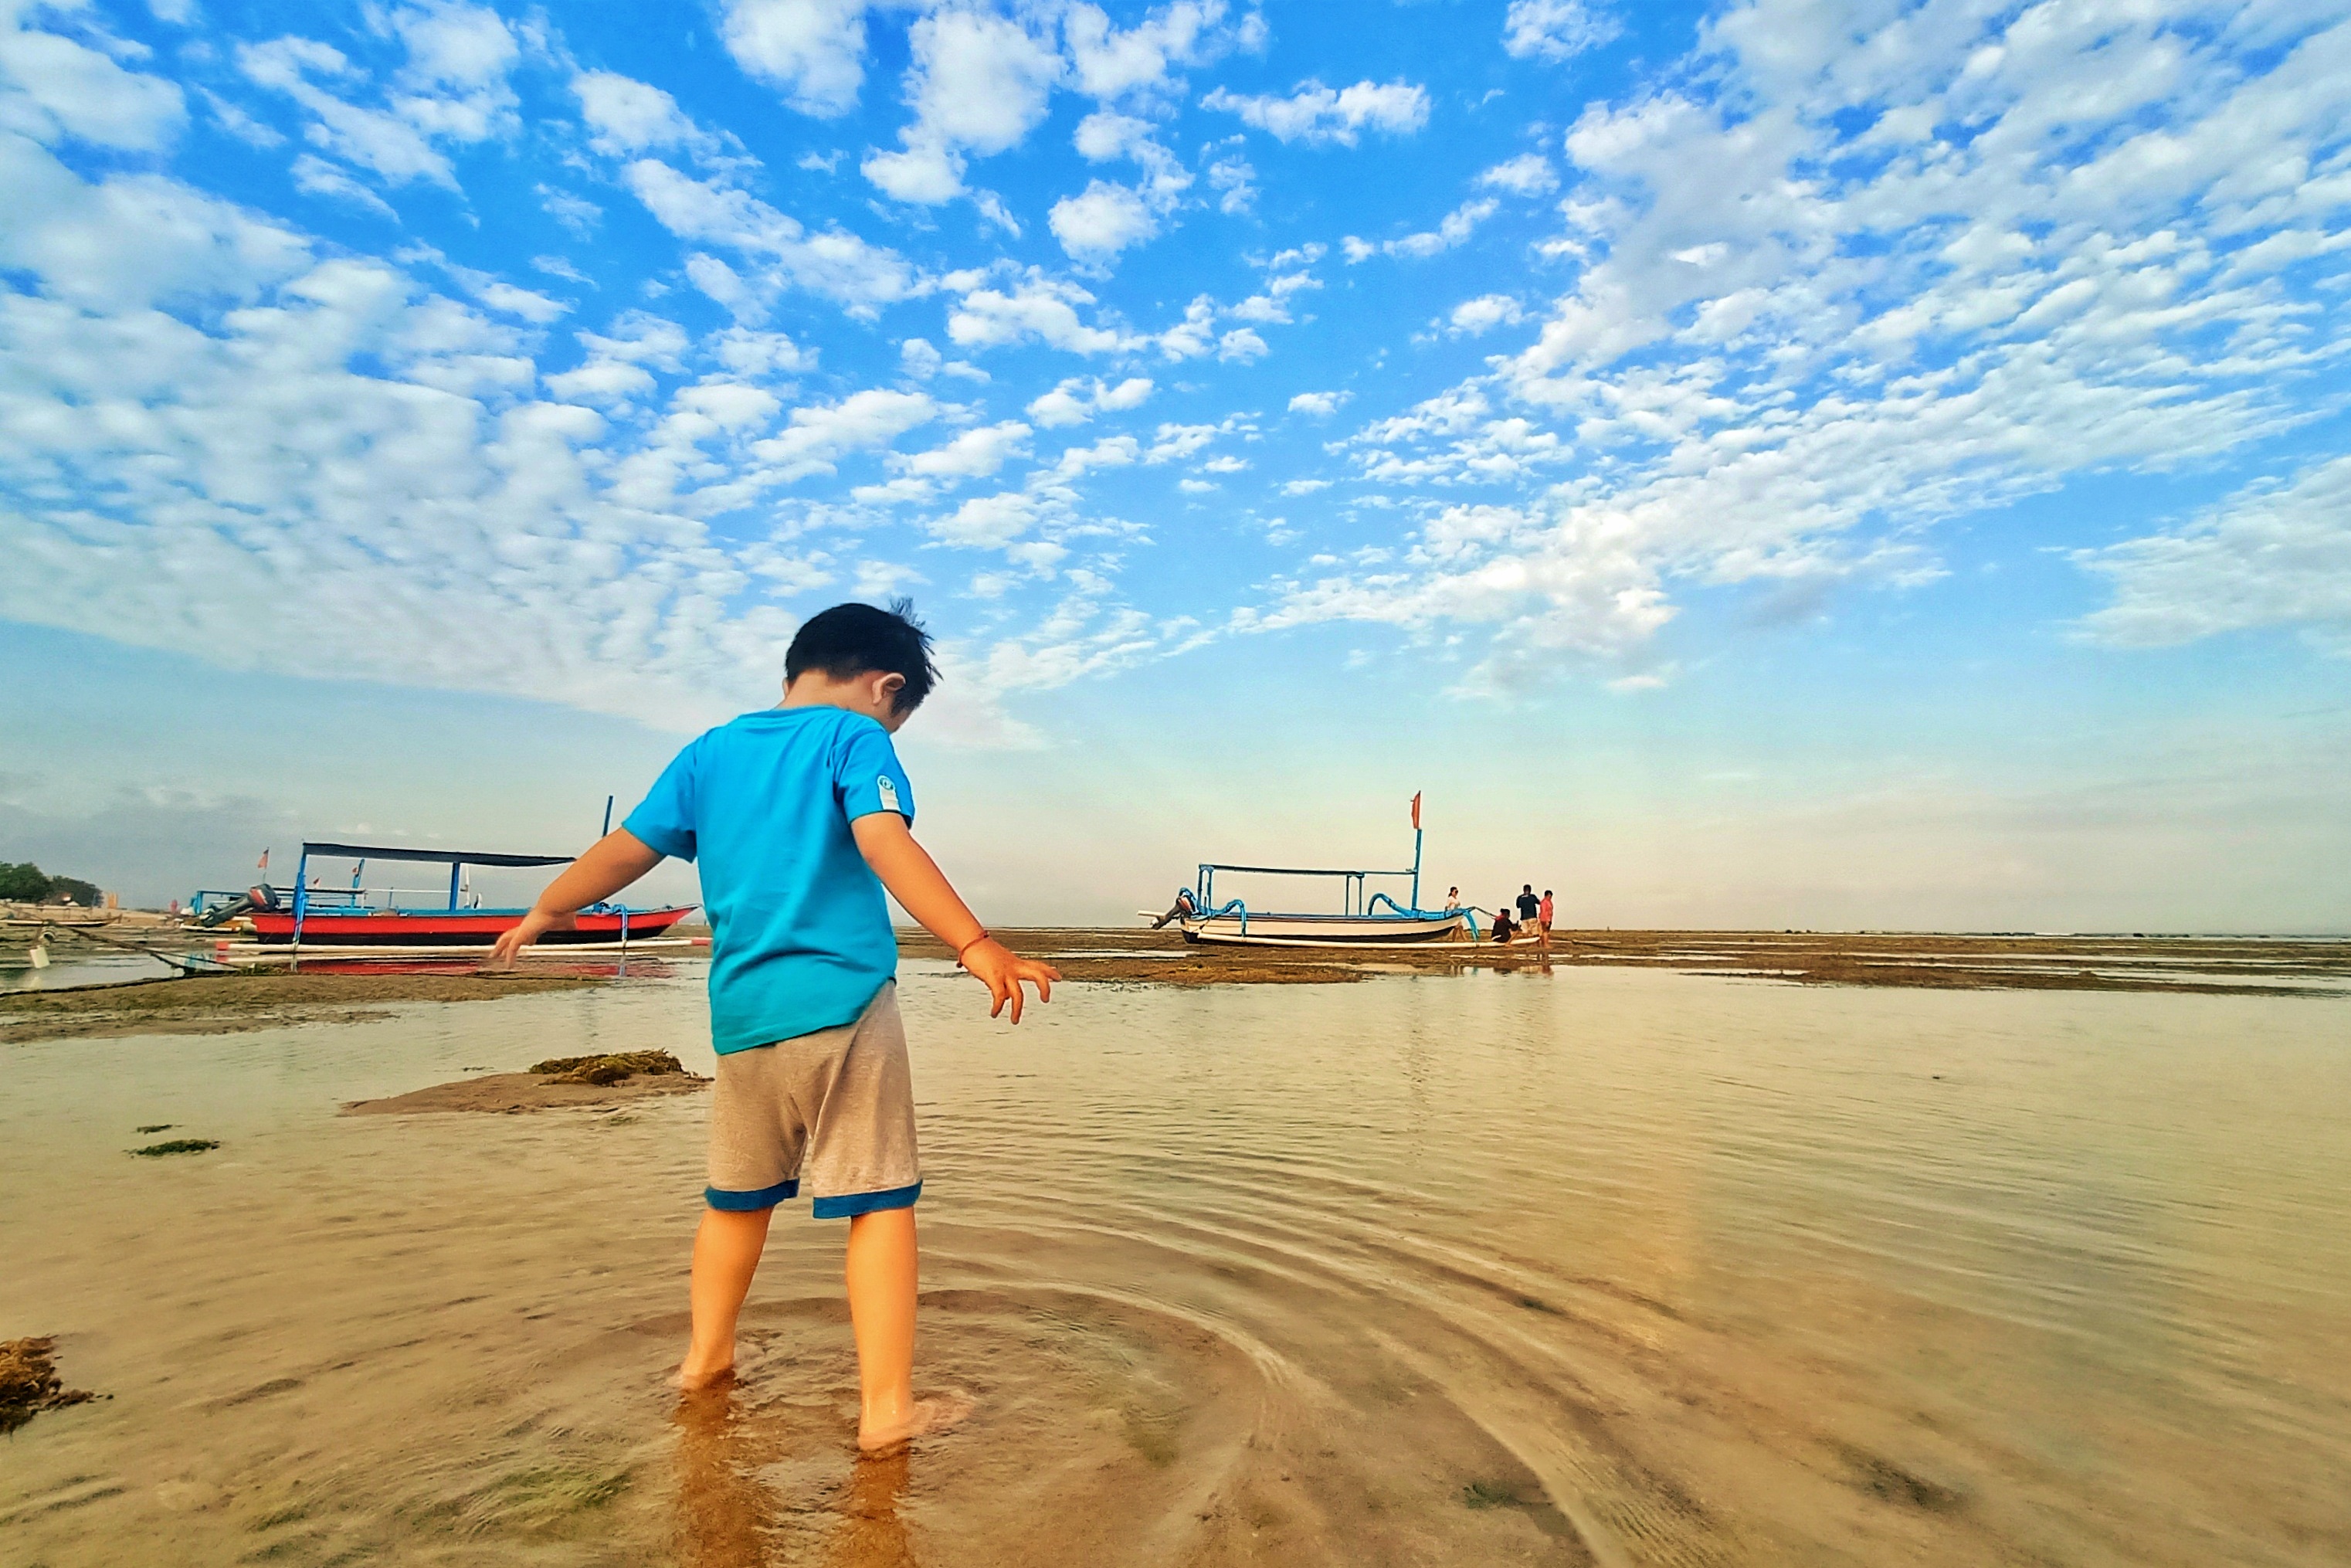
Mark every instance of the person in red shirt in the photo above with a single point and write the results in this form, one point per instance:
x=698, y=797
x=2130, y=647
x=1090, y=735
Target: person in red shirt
x=1543, y=923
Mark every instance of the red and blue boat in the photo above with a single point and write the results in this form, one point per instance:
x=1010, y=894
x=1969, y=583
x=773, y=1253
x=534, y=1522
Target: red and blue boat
x=338, y=918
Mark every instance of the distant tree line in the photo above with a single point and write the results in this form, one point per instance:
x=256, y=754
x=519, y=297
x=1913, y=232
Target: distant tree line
x=28, y=883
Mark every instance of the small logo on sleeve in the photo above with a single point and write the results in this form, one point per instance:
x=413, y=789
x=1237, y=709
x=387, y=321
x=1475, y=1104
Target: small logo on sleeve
x=889, y=794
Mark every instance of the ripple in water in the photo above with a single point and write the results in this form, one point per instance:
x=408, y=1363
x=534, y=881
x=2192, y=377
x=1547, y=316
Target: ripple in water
x=1609, y=1268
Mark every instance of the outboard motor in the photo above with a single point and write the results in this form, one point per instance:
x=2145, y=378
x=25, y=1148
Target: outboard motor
x=253, y=898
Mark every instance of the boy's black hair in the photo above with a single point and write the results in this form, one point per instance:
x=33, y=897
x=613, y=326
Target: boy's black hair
x=851, y=640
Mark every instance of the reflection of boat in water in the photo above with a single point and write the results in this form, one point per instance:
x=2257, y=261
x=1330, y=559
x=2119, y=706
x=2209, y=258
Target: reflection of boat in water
x=338, y=918
x=1361, y=922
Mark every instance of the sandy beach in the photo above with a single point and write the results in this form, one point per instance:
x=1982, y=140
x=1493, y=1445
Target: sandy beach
x=1605, y=1265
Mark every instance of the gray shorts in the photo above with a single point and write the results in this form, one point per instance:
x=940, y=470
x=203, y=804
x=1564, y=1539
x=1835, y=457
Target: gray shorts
x=834, y=1109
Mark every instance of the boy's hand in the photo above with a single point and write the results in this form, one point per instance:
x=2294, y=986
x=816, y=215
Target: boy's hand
x=535, y=925
x=1002, y=970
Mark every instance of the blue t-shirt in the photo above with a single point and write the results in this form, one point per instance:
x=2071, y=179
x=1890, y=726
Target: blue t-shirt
x=800, y=932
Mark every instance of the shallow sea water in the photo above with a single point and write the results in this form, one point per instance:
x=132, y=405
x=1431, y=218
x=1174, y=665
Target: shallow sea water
x=1610, y=1267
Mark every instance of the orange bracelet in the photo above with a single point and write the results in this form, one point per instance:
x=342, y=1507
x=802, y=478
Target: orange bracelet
x=968, y=947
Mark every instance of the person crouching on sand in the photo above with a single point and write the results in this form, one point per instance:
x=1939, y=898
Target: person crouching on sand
x=1503, y=931
x=799, y=816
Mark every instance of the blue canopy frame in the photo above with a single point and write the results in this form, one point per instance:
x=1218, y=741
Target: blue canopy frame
x=1352, y=901
x=456, y=860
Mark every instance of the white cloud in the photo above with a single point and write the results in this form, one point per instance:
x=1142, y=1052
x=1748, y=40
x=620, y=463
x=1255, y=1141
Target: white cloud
x=1527, y=174
x=130, y=241
x=1319, y=405
x=575, y=213
x=921, y=359
x=973, y=455
x=1173, y=443
x=1784, y=373
x=746, y=352
x=1107, y=218
x=314, y=176
x=820, y=435
x=1037, y=307
x=239, y=123
x=1316, y=114
x=813, y=50
x=1110, y=452
x=2275, y=554
x=1240, y=345
x=1080, y=398
x=452, y=91
x=988, y=522
x=1101, y=221
x=1454, y=227
x=52, y=87
x=833, y=262
x=1109, y=64
x=625, y=116
x=326, y=443
x=979, y=84
x=1555, y=30
x=1272, y=306
x=1483, y=313
x=1236, y=181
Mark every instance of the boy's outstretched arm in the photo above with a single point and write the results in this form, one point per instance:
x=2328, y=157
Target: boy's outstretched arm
x=612, y=863
x=923, y=891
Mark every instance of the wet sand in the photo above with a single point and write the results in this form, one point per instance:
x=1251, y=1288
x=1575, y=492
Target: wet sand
x=1601, y=1266
x=219, y=1004
x=2218, y=965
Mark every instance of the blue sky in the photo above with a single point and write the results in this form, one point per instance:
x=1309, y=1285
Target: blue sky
x=1773, y=464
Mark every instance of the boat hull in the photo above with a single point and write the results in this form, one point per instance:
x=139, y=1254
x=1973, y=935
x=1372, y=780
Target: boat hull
x=462, y=928
x=1325, y=930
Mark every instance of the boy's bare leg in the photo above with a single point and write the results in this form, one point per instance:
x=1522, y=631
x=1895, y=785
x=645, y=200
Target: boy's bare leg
x=881, y=1271
x=726, y=1255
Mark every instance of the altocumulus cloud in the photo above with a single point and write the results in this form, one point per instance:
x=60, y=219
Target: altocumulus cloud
x=267, y=360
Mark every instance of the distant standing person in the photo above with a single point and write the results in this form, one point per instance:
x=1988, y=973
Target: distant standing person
x=1543, y=922
x=1530, y=906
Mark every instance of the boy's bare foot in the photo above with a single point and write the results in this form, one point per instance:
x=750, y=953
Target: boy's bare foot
x=697, y=1373
x=933, y=1414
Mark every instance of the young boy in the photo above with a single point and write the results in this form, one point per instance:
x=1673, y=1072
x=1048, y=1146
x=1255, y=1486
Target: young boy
x=799, y=815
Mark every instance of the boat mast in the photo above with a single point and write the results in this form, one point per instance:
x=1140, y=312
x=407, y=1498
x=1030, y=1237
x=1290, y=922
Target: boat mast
x=1416, y=852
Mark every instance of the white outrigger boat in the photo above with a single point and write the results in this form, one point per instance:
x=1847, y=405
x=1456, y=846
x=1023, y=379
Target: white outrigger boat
x=1361, y=922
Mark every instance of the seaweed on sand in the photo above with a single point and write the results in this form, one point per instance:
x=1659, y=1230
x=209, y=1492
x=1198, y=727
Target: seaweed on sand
x=615, y=1068
x=179, y=1146
x=29, y=1382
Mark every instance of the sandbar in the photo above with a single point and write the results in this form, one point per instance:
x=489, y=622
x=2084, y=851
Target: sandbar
x=2217, y=966
x=222, y=1004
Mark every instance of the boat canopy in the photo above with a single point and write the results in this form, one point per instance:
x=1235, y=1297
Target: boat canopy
x=443, y=857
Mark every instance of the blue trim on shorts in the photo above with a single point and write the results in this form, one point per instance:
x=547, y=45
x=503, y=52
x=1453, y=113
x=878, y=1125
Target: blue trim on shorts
x=856, y=1203
x=751, y=1202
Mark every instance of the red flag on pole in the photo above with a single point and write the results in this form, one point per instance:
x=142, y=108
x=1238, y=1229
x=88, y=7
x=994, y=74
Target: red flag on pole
x=265, y=861
x=1415, y=812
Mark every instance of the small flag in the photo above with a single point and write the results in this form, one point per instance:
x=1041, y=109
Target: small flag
x=1415, y=812
x=265, y=861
